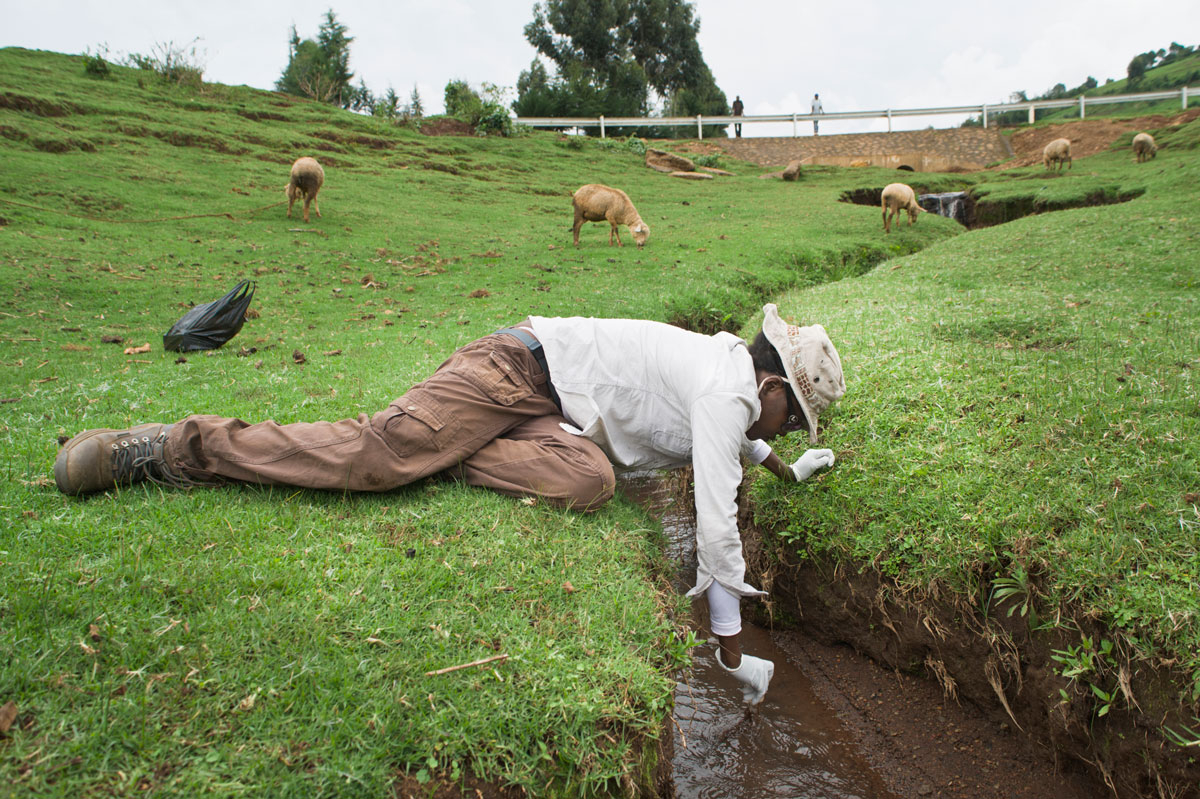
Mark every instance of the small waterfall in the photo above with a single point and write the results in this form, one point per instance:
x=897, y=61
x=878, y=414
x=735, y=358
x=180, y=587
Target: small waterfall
x=952, y=204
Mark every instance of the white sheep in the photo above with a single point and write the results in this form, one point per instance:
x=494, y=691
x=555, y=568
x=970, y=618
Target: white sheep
x=1144, y=147
x=897, y=197
x=1057, y=152
x=306, y=180
x=597, y=203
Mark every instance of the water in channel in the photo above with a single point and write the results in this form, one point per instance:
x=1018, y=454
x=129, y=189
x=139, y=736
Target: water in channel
x=952, y=204
x=791, y=745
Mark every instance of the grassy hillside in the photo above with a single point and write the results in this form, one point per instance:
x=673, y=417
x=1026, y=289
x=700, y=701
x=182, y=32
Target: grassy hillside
x=240, y=640
x=1184, y=72
x=236, y=639
x=1020, y=440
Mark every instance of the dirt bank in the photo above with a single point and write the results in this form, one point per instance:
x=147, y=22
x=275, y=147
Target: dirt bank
x=1088, y=136
x=973, y=695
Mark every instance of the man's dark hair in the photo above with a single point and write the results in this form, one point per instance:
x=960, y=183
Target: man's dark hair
x=765, y=356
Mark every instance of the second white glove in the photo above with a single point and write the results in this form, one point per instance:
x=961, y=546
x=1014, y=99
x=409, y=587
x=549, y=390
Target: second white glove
x=811, y=461
x=754, y=674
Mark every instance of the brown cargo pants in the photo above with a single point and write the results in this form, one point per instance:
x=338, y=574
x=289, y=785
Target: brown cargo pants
x=485, y=416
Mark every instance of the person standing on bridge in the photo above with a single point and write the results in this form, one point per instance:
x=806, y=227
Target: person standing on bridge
x=737, y=112
x=817, y=109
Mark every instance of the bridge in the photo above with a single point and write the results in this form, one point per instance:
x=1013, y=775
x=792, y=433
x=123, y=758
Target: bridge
x=950, y=150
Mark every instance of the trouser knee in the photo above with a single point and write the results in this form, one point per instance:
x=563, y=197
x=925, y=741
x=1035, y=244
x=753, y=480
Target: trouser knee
x=587, y=493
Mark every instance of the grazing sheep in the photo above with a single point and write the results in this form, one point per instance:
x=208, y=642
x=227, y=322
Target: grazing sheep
x=897, y=197
x=1144, y=147
x=307, y=179
x=1057, y=152
x=596, y=203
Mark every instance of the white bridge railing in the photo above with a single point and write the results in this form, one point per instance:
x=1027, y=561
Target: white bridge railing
x=984, y=110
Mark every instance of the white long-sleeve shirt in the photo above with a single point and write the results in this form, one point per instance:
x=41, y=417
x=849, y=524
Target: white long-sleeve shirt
x=655, y=396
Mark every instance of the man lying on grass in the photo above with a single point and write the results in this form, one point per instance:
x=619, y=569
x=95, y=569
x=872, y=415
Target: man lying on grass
x=549, y=409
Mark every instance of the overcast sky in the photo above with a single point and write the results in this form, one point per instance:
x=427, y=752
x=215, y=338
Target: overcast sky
x=774, y=53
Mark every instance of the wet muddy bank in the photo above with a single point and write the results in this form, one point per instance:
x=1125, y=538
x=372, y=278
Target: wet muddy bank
x=836, y=723
x=980, y=692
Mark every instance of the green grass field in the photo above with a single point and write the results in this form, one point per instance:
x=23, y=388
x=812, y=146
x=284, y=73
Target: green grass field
x=1022, y=402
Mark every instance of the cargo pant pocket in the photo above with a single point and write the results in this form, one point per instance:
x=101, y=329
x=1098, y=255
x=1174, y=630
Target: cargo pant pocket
x=494, y=375
x=417, y=422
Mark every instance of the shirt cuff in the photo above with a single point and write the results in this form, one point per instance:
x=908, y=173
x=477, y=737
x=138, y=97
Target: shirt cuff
x=759, y=450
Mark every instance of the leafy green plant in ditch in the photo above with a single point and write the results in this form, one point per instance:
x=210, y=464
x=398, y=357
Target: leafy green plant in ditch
x=1018, y=588
x=1186, y=737
x=1087, y=664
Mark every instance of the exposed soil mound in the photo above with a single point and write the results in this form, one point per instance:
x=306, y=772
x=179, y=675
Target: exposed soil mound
x=446, y=126
x=1088, y=136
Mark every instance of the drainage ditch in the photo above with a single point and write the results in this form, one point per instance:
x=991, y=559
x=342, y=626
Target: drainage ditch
x=973, y=211
x=834, y=724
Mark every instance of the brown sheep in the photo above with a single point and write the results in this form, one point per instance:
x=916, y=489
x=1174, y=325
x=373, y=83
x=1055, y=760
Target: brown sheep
x=897, y=197
x=596, y=203
x=1144, y=147
x=1057, y=152
x=306, y=180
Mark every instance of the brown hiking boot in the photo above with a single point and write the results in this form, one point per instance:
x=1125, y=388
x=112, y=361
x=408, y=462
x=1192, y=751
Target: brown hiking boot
x=97, y=460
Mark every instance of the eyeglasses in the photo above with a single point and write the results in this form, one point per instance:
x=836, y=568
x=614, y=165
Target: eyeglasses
x=796, y=419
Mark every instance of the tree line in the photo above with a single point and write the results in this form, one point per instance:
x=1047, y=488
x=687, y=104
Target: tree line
x=1136, y=79
x=608, y=57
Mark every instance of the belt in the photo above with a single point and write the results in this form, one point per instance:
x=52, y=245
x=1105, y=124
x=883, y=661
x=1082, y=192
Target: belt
x=539, y=355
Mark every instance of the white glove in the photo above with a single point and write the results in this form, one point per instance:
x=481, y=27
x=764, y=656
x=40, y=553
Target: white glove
x=754, y=674
x=810, y=462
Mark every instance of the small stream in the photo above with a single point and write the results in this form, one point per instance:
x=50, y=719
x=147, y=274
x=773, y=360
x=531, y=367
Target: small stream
x=950, y=204
x=791, y=745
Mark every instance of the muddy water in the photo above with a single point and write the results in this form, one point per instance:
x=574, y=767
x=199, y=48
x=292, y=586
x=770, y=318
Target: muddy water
x=791, y=745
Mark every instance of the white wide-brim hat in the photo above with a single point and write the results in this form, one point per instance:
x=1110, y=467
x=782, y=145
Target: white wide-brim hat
x=813, y=367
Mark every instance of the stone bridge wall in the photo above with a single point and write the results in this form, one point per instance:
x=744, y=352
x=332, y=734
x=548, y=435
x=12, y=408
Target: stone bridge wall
x=956, y=149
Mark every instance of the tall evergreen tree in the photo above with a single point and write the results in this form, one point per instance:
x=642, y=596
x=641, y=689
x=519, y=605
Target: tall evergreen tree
x=611, y=54
x=320, y=68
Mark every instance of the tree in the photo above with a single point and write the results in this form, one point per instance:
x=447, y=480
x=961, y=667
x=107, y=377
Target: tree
x=320, y=68
x=1175, y=52
x=387, y=106
x=1142, y=62
x=611, y=54
x=461, y=101
x=415, y=108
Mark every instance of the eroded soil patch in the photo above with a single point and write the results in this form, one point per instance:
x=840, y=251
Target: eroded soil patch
x=1001, y=710
x=1088, y=136
x=987, y=212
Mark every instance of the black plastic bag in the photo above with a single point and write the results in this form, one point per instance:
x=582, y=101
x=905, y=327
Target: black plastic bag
x=208, y=326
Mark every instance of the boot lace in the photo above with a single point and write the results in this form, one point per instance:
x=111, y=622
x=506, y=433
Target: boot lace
x=139, y=458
